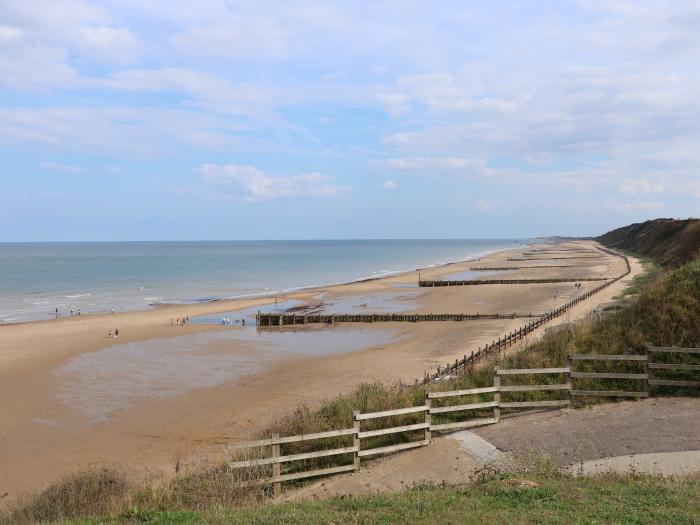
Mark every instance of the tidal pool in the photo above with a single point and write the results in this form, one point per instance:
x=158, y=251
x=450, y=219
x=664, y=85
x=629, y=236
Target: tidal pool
x=119, y=376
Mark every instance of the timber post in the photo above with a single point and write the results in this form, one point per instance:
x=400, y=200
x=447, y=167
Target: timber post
x=276, y=468
x=356, y=439
x=496, y=395
x=428, y=417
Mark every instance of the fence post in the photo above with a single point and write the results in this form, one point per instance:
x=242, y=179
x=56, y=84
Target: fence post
x=356, y=439
x=276, y=468
x=497, y=395
x=647, y=384
x=428, y=417
x=569, y=381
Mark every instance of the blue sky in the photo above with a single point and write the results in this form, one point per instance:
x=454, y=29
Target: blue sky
x=138, y=120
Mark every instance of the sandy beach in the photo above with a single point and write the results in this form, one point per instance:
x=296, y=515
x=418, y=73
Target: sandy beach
x=162, y=394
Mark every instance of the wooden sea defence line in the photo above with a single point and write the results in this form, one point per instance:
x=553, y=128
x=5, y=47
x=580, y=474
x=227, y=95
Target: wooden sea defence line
x=477, y=282
x=501, y=268
x=538, y=258
x=283, y=319
x=503, y=342
x=455, y=405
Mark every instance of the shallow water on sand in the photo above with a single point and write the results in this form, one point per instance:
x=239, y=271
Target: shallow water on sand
x=383, y=302
x=235, y=317
x=117, y=377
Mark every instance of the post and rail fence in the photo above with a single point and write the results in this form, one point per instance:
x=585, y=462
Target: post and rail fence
x=455, y=405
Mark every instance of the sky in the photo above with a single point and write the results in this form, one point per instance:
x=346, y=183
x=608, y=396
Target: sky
x=161, y=120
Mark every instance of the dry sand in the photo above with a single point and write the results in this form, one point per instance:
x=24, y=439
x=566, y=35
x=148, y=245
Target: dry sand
x=43, y=436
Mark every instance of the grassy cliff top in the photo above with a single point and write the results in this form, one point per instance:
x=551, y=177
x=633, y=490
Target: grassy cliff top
x=671, y=242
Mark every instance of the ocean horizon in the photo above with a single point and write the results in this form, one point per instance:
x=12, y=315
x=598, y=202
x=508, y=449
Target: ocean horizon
x=36, y=278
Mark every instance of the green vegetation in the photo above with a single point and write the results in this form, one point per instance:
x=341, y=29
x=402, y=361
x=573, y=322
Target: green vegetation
x=650, y=273
x=670, y=242
x=517, y=499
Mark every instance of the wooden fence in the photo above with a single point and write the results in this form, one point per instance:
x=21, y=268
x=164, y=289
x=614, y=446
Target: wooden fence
x=283, y=319
x=477, y=282
x=455, y=404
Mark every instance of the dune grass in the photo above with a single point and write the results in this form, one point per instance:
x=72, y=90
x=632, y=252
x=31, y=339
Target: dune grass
x=517, y=499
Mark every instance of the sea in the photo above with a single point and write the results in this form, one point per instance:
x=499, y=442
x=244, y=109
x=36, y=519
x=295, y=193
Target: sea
x=95, y=277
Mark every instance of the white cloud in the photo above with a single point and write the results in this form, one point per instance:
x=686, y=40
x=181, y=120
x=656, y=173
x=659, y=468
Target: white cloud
x=484, y=204
x=10, y=34
x=255, y=185
x=635, y=186
x=137, y=131
x=53, y=166
x=235, y=38
x=116, y=44
x=390, y=185
x=433, y=163
x=636, y=206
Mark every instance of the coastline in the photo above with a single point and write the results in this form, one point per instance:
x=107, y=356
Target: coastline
x=43, y=437
x=94, y=298
x=270, y=295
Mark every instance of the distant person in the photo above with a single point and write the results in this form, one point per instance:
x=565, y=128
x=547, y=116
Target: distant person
x=243, y=322
x=112, y=309
x=78, y=311
x=71, y=311
x=110, y=334
x=116, y=333
x=56, y=312
x=177, y=321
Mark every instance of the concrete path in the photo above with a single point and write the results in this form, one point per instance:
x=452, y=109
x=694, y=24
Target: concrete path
x=662, y=464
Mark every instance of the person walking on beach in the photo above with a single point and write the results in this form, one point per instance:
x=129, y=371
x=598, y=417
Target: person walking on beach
x=57, y=313
x=116, y=333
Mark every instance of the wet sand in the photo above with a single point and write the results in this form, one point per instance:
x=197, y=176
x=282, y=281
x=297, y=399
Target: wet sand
x=72, y=397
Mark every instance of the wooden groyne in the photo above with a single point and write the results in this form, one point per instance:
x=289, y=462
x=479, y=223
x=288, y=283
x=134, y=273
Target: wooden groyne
x=502, y=268
x=286, y=319
x=467, y=362
x=554, y=258
x=477, y=282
